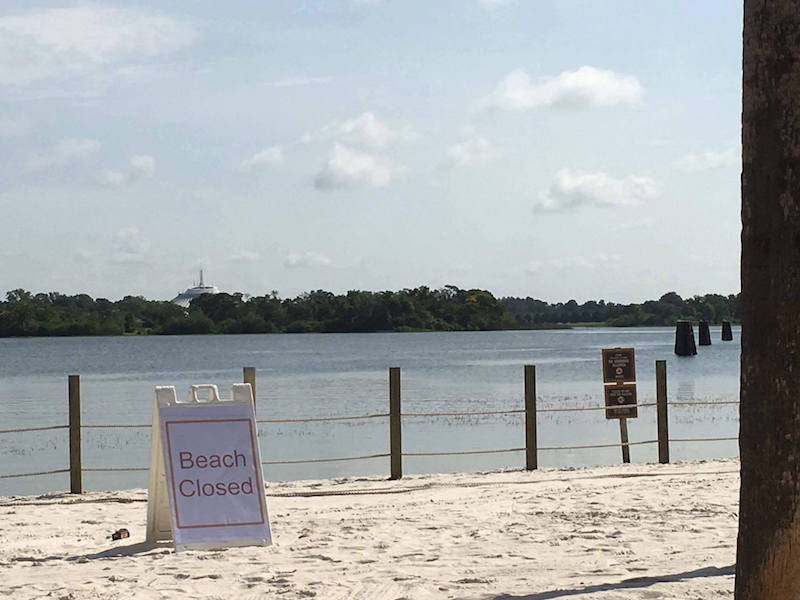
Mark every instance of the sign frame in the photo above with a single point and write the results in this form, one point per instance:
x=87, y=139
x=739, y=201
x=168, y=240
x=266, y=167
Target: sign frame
x=164, y=520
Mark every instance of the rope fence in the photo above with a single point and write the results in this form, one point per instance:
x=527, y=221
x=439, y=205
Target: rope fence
x=36, y=474
x=717, y=439
x=704, y=403
x=309, y=461
x=324, y=419
x=28, y=429
x=484, y=413
x=590, y=446
x=113, y=469
x=118, y=426
x=395, y=417
x=464, y=452
x=582, y=408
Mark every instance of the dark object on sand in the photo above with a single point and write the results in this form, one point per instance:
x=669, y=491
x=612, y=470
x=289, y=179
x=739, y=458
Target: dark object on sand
x=684, y=339
x=120, y=534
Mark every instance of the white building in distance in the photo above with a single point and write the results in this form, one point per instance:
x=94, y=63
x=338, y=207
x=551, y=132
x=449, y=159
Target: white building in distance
x=184, y=298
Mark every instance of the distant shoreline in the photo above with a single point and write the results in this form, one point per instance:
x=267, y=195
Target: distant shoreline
x=555, y=327
x=24, y=314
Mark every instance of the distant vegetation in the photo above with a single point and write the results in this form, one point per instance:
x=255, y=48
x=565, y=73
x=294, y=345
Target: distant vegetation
x=419, y=309
x=713, y=308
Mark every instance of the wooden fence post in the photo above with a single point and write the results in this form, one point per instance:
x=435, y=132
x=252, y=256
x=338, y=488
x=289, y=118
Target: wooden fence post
x=249, y=376
x=623, y=440
x=75, y=479
x=395, y=424
x=661, y=409
x=531, y=452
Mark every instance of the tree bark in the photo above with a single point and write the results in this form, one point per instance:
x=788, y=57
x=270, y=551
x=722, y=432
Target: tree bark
x=768, y=550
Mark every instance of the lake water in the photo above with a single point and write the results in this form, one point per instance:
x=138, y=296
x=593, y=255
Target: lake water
x=347, y=374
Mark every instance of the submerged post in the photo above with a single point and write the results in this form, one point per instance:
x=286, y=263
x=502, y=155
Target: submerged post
x=249, y=376
x=703, y=333
x=75, y=479
x=684, y=339
x=531, y=452
x=727, y=332
x=623, y=440
x=661, y=409
x=395, y=424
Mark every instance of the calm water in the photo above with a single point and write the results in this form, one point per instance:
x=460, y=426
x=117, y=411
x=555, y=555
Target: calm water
x=347, y=374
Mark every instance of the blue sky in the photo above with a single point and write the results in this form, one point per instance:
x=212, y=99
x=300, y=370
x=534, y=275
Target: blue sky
x=553, y=149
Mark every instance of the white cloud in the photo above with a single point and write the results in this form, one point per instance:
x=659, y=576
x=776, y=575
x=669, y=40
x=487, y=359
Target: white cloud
x=142, y=166
x=472, y=151
x=584, y=87
x=243, y=255
x=493, y=4
x=66, y=151
x=299, y=82
x=13, y=127
x=560, y=263
x=351, y=168
x=570, y=263
x=271, y=156
x=113, y=178
x=366, y=130
x=572, y=190
x=62, y=43
x=306, y=259
x=83, y=255
x=711, y=159
x=128, y=246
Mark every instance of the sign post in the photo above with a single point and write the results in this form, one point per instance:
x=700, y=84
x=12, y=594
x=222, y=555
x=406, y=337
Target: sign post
x=619, y=383
x=206, y=485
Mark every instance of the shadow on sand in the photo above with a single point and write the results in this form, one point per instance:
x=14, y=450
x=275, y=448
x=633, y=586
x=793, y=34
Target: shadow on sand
x=129, y=550
x=115, y=552
x=625, y=584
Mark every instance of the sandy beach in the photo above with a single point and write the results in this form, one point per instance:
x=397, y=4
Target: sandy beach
x=636, y=531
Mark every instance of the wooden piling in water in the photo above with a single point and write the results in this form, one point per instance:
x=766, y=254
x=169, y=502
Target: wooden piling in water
x=75, y=478
x=727, y=332
x=661, y=410
x=531, y=448
x=703, y=333
x=684, y=339
x=395, y=425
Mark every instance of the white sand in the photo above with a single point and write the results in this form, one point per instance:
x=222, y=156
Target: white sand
x=614, y=532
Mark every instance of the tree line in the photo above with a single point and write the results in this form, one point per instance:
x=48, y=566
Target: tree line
x=420, y=309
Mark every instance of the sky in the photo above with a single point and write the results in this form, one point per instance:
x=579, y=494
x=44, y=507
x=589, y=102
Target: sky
x=558, y=150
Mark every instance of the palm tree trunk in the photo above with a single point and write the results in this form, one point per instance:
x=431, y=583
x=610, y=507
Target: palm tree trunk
x=768, y=551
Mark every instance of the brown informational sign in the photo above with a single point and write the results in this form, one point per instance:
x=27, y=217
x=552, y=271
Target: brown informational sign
x=619, y=365
x=621, y=401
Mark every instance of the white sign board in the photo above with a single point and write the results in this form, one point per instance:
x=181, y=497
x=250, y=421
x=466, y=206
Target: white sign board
x=212, y=471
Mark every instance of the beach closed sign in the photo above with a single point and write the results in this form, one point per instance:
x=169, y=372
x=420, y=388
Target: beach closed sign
x=213, y=473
